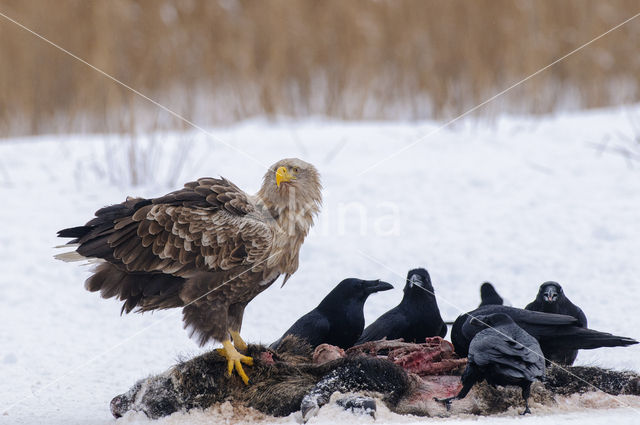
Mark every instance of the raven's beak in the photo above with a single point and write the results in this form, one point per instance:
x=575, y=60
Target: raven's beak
x=377, y=286
x=416, y=280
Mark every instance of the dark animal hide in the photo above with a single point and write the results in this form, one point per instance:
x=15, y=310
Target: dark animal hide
x=562, y=380
x=287, y=380
x=279, y=381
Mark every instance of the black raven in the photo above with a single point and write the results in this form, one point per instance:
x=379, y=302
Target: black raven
x=554, y=332
x=551, y=299
x=414, y=319
x=338, y=319
x=502, y=353
x=489, y=296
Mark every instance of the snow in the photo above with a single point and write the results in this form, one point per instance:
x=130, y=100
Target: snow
x=517, y=202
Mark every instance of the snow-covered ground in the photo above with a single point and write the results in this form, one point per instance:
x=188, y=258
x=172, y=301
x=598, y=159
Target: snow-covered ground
x=516, y=202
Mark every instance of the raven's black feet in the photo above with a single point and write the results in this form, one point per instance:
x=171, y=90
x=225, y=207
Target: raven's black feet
x=445, y=401
x=526, y=410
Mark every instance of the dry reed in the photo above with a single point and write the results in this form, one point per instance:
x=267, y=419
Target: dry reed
x=219, y=61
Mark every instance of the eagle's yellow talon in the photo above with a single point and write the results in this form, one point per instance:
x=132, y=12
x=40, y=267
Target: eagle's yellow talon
x=241, y=372
x=229, y=367
x=235, y=360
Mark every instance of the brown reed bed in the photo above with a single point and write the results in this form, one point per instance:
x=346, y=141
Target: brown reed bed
x=220, y=61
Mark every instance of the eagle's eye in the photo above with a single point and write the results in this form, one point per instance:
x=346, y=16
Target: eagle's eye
x=296, y=169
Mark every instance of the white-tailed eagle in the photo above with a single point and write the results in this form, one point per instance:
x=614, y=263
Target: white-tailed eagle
x=209, y=248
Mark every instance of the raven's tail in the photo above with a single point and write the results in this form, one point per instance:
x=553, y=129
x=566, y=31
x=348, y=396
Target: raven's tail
x=576, y=338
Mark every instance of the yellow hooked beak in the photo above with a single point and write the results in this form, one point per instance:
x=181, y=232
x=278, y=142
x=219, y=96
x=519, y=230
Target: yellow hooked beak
x=283, y=175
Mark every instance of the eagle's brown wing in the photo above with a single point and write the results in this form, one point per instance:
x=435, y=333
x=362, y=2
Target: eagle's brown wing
x=210, y=225
x=153, y=245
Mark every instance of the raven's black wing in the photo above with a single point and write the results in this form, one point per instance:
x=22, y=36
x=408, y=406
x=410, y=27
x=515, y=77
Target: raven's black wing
x=535, y=323
x=519, y=358
x=390, y=325
x=313, y=327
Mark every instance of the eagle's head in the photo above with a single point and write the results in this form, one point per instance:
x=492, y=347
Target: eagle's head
x=293, y=172
x=292, y=183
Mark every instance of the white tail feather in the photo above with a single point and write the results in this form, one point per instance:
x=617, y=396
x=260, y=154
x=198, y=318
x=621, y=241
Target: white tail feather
x=70, y=257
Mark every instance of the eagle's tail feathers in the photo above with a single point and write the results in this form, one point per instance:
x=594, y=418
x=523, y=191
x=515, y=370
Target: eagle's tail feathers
x=140, y=291
x=70, y=257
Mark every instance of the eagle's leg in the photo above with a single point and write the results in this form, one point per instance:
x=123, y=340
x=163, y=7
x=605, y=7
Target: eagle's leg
x=238, y=342
x=235, y=360
x=235, y=314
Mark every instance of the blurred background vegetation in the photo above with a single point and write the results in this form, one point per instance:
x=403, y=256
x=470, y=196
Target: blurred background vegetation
x=220, y=61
